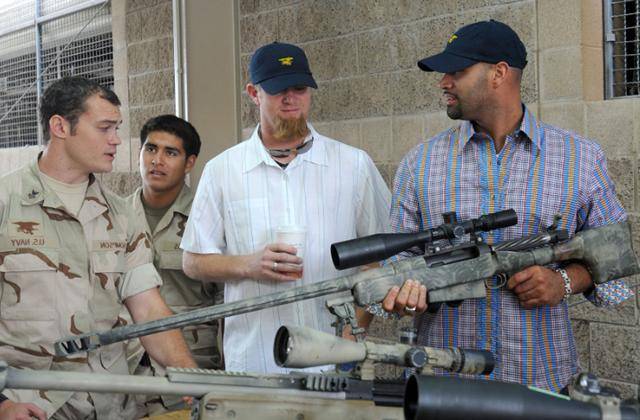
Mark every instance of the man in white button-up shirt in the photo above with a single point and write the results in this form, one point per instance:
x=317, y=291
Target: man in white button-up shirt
x=286, y=174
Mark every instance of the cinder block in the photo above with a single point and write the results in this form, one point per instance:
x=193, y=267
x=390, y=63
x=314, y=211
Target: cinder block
x=288, y=23
x=325, y=18
x=611, y=123
x=326, y=129
x=521, y=16
x=634, y=219
x=151, y=22
x=402, y=10
x=151, y=88
x=151, y=55
x=357, y=97
x=529, y=90
x=370, y=14
x=623, y=171
x=378, y=50
x=347, y=132
x=614, y=352
x=258, y=30
x=375, y=134
x=407, y=132
x=248, y=6
x=139, y=115
x=245, y=59
x=417, y=40
x=436, y=122
x=559, y=23
x=624, y=314
x=626, y=390
x=388, y=172
x=135, y=5
x=416, y=91
x=333, y=58
x=567, y=115
x=249, y=114
x=274, y=4
x=556, y=81
x=581, y=335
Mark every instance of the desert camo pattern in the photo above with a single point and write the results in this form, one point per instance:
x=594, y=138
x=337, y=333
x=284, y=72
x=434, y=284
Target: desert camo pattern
x=62, y=275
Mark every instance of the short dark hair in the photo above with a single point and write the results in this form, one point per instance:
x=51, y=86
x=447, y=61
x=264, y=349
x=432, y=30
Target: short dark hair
x=67, y=97
x=176, y=126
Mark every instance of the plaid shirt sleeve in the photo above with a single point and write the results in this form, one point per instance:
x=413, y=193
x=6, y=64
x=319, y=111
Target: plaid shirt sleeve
x=604, y=208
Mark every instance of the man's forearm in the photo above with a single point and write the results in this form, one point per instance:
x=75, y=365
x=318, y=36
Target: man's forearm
x=580, y=278
x=215, y=267
x=169, y=349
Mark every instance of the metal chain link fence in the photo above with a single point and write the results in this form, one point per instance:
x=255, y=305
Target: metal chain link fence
x=41, y=41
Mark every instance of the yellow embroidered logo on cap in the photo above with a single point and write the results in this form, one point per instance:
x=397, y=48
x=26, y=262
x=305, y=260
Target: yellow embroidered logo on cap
x=453, y=37
x=286, y=61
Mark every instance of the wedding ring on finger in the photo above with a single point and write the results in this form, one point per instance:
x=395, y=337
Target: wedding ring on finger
x=410, y=310
x=275, y=266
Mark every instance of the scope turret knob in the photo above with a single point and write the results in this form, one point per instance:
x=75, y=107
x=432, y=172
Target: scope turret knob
x=415, y=357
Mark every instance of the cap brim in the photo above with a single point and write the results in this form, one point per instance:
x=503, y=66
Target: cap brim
x=445, y=63
x=279, y=83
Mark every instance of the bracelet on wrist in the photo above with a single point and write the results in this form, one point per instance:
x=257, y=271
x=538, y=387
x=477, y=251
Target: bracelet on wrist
x=567, y=283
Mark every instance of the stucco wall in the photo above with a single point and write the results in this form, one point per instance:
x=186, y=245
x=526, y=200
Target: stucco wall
x=371, y=94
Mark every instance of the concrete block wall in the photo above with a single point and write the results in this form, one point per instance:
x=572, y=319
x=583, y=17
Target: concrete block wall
x=371, y=94
x=143, y=69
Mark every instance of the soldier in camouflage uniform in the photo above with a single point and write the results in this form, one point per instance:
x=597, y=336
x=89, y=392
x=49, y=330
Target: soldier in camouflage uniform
x=70, y=257
x=169, y=148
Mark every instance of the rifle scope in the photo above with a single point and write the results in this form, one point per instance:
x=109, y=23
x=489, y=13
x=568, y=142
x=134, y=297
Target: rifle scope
x=438, y=397
x=380, y=246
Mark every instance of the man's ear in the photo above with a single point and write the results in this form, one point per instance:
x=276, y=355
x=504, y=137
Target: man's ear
x=252, y=91
x=191, y=161
x=499, y=74
x=59, y=127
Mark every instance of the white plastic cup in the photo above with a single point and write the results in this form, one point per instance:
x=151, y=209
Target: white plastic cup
x=292, y=235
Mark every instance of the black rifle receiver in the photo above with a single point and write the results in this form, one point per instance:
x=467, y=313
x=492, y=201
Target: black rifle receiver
x=373, y=248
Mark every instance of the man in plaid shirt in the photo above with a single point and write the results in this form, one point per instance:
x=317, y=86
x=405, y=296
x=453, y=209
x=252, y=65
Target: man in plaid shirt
x=501, y=157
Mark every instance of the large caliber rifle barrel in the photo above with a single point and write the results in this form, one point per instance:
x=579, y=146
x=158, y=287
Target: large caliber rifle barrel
x=180, y=382
x=449, y=398
x=302, y=347
x=606, y=250
x=378, y=247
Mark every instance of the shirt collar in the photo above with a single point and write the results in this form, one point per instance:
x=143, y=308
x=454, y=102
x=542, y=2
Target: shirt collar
x=258, y=154
x=529, y=127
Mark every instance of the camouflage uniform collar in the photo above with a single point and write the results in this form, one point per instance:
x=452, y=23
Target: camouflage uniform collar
x=181, y=205
x=35, y=191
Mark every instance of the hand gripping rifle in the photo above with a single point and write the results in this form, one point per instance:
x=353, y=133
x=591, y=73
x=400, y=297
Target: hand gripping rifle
x=450, y=275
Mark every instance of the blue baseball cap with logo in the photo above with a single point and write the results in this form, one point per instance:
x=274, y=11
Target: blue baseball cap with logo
x=481, y=42
x=279, y=66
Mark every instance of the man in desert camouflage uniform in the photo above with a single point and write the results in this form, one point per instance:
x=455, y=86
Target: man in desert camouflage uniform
x=169, y=149
x=70, y=257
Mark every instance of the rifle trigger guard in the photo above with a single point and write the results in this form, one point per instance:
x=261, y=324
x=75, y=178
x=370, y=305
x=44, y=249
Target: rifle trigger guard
x=501, y=281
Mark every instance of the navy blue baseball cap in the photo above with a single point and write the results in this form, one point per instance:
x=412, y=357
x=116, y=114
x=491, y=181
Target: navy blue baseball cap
x=279, y=66
x=481, y=42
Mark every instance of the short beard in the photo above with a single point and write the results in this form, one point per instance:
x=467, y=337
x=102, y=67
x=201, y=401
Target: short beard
x=455, y=111
x=288, y=129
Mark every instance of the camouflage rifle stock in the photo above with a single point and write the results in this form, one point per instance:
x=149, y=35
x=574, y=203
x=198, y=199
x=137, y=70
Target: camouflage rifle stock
x=606, y=251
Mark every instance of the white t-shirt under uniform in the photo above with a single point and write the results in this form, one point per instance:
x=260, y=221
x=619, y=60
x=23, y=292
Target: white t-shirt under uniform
x=333, y=190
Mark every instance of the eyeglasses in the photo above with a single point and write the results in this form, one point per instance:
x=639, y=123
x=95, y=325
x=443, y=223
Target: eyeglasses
x=282, y=153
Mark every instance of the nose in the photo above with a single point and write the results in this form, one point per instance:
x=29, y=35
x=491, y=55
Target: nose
x=445, y=81
x=115, y=139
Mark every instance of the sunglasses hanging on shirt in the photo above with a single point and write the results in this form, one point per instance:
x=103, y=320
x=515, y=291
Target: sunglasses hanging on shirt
x=282, y=153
